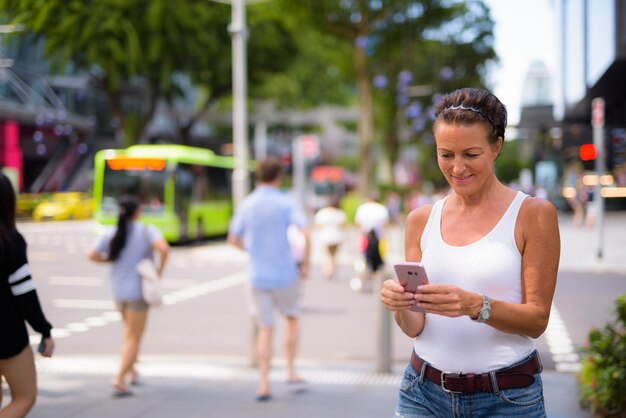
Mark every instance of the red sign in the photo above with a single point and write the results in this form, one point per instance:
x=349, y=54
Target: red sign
x=597, y=112
x=309, y=146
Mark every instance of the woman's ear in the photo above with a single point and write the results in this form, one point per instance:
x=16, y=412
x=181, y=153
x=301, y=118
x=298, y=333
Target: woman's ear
x=497, y=147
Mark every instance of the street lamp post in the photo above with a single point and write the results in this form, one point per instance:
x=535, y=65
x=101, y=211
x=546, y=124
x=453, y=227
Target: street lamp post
x=238, y=32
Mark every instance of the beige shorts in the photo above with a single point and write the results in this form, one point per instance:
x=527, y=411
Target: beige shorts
x=263, y=302
x=133, y=305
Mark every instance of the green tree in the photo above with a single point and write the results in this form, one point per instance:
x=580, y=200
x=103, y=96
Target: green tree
x=416, y=67
x=387, y=36
x=136, y=49
x=317, y=74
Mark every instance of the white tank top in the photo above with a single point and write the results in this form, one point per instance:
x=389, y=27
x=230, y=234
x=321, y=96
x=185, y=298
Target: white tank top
x=490, y=266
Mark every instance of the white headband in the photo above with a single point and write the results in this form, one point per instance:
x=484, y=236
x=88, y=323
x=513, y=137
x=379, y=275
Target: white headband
x=461, y=107
x=472, y=109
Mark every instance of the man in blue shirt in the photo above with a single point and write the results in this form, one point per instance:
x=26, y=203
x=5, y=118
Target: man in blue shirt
x=259, y=227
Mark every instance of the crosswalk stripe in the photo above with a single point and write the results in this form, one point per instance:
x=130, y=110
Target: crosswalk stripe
x=560, y=344
x=75, y=281
x=111, y=315
x=214, y=370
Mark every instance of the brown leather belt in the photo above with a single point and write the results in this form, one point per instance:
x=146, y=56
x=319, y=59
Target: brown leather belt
x=519, y=376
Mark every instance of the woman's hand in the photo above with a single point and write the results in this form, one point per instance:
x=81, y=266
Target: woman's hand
x=394, y=297
x=448, y=300
x=49, y=347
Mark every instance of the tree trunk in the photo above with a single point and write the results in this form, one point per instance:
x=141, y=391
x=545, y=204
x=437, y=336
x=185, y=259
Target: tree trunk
x=115, y=106
x=365, y=121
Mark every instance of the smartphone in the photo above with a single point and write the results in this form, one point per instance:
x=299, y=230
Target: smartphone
x=411, y=274
x=41, y=347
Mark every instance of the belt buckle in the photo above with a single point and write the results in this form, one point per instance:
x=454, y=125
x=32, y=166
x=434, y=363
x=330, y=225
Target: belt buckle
x=443, y=382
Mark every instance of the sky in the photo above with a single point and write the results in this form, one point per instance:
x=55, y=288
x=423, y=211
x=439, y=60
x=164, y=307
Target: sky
x=524, y=32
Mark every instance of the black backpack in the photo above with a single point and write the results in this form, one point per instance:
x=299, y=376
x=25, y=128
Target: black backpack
x=372, y=251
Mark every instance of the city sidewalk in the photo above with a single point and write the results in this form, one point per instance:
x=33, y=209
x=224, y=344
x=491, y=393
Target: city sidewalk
x=188, y=386
x=227, y=390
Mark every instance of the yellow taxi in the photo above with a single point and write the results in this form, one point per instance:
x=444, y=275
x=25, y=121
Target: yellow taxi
x=63, y=206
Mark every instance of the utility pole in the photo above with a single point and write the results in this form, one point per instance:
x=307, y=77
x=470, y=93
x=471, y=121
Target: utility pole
x=239, y=34
x=597, y=121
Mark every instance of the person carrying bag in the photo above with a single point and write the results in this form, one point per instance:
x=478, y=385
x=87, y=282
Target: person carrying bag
x=125, y=247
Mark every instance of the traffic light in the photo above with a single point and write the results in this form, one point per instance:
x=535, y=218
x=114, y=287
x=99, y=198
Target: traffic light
x=588, y=152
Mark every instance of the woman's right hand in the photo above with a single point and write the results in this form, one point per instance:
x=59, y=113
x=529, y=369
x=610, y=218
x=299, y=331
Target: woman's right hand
x=394, y=297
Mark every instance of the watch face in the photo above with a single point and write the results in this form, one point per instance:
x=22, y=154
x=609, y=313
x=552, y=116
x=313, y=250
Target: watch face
x=485, y=314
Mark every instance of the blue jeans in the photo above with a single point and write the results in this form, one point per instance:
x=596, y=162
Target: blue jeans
x=422, y=398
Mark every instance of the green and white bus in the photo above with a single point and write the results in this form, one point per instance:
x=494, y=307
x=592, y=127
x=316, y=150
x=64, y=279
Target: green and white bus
x=184, y=191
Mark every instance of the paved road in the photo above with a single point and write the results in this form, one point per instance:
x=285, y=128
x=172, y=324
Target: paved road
x=197, y=347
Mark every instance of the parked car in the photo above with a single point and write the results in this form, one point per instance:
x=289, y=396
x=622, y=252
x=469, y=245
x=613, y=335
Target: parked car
x=27, y=202
x=63, y=206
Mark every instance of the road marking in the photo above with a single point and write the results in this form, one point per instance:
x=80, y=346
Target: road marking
x=214, y=370
x=84, y=304
x=560, y=344
x=110, y=315
x=42, y=256
x=75, y=281
x=99, y=281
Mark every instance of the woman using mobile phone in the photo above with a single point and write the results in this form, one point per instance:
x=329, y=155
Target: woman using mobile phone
x=18, y=303
x=492, y=256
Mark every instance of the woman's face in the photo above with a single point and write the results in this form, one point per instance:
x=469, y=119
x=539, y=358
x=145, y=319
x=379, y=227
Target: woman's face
x=465, y=156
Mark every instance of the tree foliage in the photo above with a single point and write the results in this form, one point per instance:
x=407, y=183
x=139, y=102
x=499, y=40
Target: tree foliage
x=400, y=43
x=300, y=53
x=125, y=44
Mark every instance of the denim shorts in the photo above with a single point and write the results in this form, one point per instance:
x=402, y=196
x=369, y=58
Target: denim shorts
x=420, y=397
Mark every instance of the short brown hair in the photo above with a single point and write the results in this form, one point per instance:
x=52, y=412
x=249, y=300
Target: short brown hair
x=268, y=170
x=471, y=105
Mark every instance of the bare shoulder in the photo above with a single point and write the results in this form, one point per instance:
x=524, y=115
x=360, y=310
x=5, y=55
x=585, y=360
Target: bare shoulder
x=537, y=214
x=419, y=216
x=536, y=206
x=415, y=225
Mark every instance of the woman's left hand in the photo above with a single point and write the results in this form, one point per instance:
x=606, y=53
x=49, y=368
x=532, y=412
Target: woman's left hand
x=48, y=347
x=448, y=300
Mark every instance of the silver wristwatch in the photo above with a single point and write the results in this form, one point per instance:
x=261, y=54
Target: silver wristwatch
x=485, y=311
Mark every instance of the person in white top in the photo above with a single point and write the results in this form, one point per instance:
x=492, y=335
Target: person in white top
x=372, y=215
x=491, y=255
x=329, y=223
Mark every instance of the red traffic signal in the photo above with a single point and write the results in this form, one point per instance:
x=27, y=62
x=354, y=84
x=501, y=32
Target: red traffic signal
x=588, y=152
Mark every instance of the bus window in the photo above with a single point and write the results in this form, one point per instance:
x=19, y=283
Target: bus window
x=147, y=185
x=184, y=188
x=220, y=180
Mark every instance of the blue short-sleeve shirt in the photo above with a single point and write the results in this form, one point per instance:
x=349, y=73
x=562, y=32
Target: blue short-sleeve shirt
x=261, y=222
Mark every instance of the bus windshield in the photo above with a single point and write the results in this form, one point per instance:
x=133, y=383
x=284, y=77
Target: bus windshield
x=148, y=185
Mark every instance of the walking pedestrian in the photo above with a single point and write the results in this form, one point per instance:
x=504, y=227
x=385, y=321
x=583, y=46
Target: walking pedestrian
x=259, y=227
x=491, y=255
x=330, y=223
x=18, y=303
x=124, y=247
x=372, y=218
